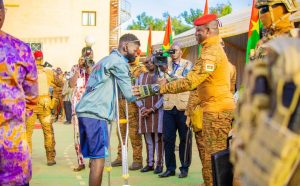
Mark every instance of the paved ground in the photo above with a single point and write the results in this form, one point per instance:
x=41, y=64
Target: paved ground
x=62, y=174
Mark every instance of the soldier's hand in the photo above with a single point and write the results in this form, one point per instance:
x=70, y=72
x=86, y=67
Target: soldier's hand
x=136, y=91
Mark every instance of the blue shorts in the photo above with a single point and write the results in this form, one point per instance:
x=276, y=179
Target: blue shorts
x=93, y=137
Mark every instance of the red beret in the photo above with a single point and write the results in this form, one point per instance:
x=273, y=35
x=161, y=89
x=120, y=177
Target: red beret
x=37, y=54
x=203, y=20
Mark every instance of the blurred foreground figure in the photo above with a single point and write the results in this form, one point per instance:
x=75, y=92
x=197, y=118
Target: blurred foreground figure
x=18, y=96
x=275, y=17
x=266, y=150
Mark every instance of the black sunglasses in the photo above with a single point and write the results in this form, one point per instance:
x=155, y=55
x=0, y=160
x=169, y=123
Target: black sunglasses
x=264, y=9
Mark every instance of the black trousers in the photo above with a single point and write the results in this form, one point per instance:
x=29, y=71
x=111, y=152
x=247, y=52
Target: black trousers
x=174, y=120
x=68, y=110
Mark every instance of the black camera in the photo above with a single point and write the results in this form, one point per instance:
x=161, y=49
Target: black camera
x=87, y=53
x=161, y=57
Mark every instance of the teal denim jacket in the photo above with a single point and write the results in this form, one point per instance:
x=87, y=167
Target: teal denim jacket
x=99, y=99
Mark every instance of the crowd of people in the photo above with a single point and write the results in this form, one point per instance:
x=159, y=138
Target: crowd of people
x=158, y=98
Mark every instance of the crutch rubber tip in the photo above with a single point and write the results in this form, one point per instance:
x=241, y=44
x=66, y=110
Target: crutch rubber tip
x=126, y=176
x=108, y=169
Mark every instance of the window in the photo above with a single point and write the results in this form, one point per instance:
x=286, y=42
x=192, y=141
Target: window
x=88, y=18
x=35, y=46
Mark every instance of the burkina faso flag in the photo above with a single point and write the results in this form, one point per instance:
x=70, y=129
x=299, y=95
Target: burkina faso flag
x=168, y=39
x=254, y=33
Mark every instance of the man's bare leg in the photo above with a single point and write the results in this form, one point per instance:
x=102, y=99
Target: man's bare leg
x=96, y=172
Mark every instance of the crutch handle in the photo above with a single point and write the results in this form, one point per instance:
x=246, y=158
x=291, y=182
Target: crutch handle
x=123, y=121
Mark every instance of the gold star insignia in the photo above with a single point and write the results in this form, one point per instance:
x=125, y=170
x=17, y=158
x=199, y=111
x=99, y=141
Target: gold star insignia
x=255, y=26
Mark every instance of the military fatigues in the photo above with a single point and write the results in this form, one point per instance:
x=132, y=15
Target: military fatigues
x=264, y=110
x=43, y=112
x=210, y=77
x=267, y=143
x=135, y=137
x=57, y=99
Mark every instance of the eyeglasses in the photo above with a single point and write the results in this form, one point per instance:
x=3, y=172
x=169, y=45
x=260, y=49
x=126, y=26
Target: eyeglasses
x=264, y=9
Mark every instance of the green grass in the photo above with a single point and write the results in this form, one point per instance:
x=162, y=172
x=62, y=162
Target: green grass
x=62, y=174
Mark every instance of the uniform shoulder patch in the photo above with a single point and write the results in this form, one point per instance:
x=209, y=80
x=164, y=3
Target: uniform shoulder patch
x=210, y=67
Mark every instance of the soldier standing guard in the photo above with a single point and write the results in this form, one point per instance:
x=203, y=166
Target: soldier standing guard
x=47, y=82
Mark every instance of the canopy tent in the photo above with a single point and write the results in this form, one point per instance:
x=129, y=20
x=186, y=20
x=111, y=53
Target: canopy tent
x=234, y=32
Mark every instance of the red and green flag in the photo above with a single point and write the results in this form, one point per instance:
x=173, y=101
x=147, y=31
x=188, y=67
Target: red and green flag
x=254, y=33
x=206, y=8
x=149, y=45
x=205, y=12
x=168, y=39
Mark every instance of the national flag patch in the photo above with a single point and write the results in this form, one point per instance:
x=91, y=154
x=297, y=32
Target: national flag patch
x=209, y=67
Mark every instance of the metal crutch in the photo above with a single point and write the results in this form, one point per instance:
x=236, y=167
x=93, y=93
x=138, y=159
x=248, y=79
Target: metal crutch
x=125, y=173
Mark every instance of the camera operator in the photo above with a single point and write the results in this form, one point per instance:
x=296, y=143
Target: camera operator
x=79, y=77
x=174, y=118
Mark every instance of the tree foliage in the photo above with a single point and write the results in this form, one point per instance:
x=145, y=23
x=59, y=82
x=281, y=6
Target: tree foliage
x=180, y=23
x=190, y=16
x=221, y=9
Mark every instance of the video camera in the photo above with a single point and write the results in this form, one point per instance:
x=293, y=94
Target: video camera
x=161, y=57
x=86, y=54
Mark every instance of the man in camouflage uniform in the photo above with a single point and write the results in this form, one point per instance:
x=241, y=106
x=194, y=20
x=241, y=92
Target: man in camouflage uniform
x=266, y=149
x=260, y=96
x=136, y=139
x=46, y=81
x=275, y=17
x=209, y=80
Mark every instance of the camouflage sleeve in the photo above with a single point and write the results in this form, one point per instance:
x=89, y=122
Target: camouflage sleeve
x=192, y=102
x=58, y=82
x=201, y=70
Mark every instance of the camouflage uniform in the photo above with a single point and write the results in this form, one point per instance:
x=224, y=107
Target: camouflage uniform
x=43, y=112
x=210, y=76
x=136, y=139
x=267, y=145
x=258, y=102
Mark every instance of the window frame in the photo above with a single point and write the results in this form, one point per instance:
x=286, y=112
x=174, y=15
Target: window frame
x=88, y=13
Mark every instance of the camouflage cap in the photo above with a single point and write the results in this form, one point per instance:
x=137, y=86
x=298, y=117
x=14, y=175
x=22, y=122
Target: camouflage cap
x=291, y=5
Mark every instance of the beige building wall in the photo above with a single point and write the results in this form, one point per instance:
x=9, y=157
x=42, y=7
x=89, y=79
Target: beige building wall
x=157, y=37
x=58, y=26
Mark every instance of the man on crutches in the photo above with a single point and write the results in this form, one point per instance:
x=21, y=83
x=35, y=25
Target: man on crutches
x=97, y=107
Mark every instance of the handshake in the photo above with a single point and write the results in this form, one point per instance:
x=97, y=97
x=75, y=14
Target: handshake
x=143, y=91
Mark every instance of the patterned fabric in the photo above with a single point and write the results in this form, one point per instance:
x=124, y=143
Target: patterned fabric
x=153, y=123
x=135, y=137
x=210, y=76
x=216, y=126
x=43, y=113
x=77, y=94
x=154, y=144
x=18, y=96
